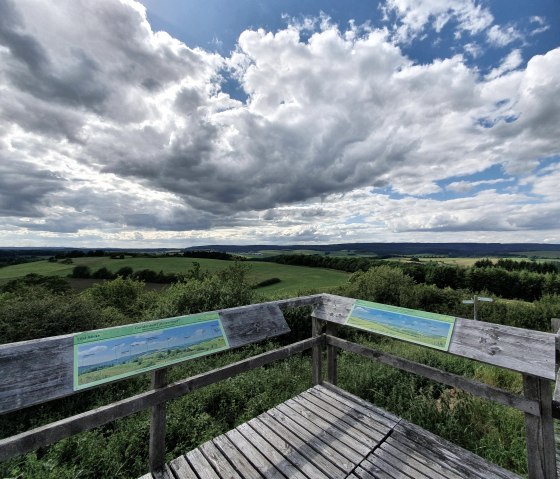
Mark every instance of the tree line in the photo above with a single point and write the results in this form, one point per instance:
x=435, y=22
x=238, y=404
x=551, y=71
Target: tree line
x=509, y=279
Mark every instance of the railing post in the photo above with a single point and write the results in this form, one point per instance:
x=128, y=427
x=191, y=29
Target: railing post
x=157, y=425
x=316, y=359
x=331, y=355
x=539, y=430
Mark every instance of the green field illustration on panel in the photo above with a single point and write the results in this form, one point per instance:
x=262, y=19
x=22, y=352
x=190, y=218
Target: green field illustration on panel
x=419, y=327
x=105, y=355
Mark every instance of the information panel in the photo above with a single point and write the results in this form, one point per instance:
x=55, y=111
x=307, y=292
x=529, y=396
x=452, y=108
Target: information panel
x=108, y=354
x=419, y=327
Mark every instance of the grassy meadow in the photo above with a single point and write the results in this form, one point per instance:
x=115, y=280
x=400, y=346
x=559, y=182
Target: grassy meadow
x=292, y=278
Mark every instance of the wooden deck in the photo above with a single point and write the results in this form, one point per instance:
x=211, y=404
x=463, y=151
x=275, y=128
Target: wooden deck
x=323, y=433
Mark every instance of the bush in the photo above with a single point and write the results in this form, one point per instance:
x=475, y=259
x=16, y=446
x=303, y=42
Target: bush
x=125, y=271
x=81, y=271
x=103, y=273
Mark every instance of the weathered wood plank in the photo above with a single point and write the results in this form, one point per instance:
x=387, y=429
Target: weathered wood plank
x=313, y=456
x=182, y=469
x=424, y=463
x=50, y=433
x=200, y=465
x=361, y=473
x=250, y=324
x=329, y=394
x=541, y=453
x=381, y=415
x=35, y=371
x=261, y=443
x=219, y=461
x=400, y=462
x=329, y=435
x=333, y=308
x=337, y=419
x=470, y=385
x=522, y=350
x=286, y=449
x=324, y=448
x=448, y=453
x=380, y=469
x=316, y=421
x=239, y=461
x=360, y=415
x=258, y=460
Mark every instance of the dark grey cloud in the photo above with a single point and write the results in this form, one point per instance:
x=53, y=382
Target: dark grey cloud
x=25, y=188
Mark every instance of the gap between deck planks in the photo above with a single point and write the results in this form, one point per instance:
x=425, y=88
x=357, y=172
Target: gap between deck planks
x=328, y=433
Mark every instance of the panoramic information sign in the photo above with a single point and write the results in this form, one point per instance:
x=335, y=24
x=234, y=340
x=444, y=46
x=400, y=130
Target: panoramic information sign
x=419, y=327
x=108, y=354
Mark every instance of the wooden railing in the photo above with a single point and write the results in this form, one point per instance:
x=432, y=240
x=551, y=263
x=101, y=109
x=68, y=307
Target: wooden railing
x=28, y=379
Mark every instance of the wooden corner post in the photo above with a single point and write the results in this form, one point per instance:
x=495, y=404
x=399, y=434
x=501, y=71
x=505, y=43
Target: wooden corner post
x=539, y=430
x=157, y=425
x=331, y=355
x=316, y=352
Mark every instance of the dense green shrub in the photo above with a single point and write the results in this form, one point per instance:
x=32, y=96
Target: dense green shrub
x=81, y=271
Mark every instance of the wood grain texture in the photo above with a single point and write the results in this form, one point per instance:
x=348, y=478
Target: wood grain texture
x=522, y=350
x=333, y=308
x=464, y=462
x=250, y=324
x=35, y=371
x=541, y=452
x=219, y=461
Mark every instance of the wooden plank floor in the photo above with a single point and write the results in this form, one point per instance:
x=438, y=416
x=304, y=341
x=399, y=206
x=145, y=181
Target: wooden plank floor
x=327, y=433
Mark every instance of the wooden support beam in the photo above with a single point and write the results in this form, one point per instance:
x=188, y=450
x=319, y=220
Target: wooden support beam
x=316, y=356
x=331, y=355
x=539, y=430
x=157, y=424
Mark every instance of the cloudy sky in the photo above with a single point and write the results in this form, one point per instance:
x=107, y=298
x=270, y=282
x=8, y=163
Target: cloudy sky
x=180, y=122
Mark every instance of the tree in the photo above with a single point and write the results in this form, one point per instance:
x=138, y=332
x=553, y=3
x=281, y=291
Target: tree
x=81, y=271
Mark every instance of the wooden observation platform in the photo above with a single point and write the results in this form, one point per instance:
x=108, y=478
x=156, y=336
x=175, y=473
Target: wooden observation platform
x=324, y=432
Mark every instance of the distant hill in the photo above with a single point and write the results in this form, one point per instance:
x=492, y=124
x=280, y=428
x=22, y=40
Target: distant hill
x=388, y=249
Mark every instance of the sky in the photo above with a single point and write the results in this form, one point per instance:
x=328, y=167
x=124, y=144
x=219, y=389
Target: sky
x=175, y=123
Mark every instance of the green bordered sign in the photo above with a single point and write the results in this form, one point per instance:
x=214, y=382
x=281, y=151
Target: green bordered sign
x=419, y=327
x=109, y=354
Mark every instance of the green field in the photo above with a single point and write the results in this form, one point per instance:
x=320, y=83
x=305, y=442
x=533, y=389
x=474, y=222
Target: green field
x=293, y=278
